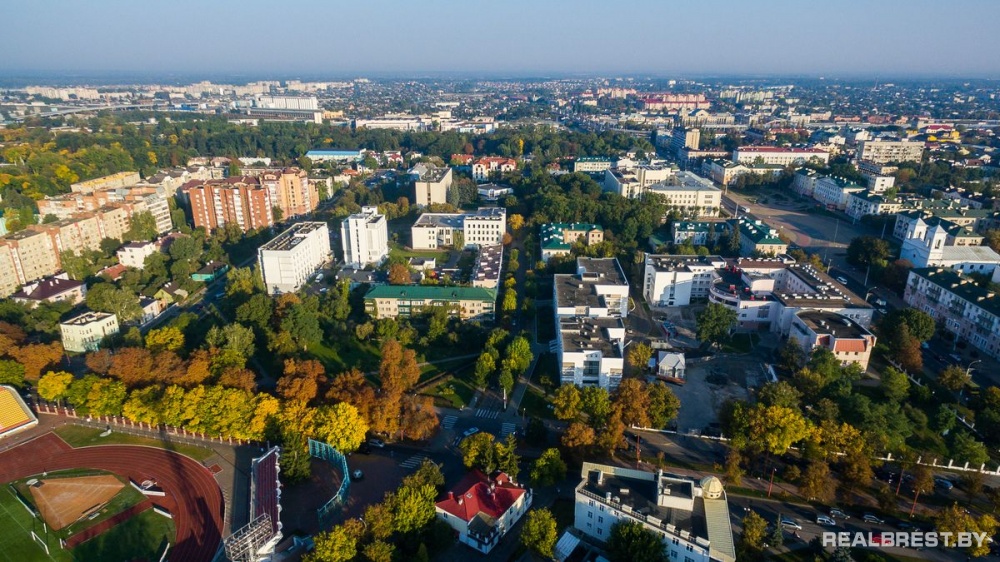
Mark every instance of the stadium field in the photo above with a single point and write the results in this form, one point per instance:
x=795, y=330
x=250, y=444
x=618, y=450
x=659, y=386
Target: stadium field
x=15, y=540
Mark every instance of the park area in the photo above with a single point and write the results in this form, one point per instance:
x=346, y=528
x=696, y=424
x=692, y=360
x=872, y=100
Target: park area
x=79, y=515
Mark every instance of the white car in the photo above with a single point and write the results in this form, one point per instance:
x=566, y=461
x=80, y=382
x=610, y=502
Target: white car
x=790, y=524
x=841, y=280
x=824, y=520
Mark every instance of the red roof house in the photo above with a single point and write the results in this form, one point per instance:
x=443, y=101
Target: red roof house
x=482, y=509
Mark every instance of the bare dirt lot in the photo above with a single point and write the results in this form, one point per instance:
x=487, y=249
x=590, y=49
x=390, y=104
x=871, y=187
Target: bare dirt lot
x=64, y=500
x=710, y=382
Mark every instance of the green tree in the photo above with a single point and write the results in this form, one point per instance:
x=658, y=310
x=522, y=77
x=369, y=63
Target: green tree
x=54, y=385
x=715, y=322
x=596, y=403
x=243, y=281
x=817, y=482
x=663, y=405
x=548, y=468
x=955, y=519
x=142, y=227
x=567, y=402
x=412, y=507
x=165, y=339
x=630, y=541
x=335, y=545
x=639, y=355
x=485, y=367
x=509, y=303
x=539, y=533
x=754, y=537
x=478, y=452
x=518, y=355
x=867, y=250
x=779, y=393
x=920, y=324
x=105, y=297
x=954, y=378
x=341, y=426
x=302, y=323
x=965, y=448
x=11, y=372
x=776, y=428
x=894, y=384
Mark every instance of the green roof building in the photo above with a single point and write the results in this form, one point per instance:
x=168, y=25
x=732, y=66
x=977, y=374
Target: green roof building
x=403, y=301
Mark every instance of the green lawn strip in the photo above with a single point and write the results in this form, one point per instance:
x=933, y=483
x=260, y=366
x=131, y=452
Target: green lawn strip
x=440, y=255
x=535, y=405
x=142, y=537
x=123, y=500
x=451, y=392
x=82, y=436
x=15, y=539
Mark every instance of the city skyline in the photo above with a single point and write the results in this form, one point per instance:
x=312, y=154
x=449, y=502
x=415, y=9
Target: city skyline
x=776, y=37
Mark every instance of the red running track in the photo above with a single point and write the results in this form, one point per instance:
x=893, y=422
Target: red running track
x=192, y=495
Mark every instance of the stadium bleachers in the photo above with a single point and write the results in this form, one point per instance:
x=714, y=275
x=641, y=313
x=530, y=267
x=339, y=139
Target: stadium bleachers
x=265, y=494
x=14, y=414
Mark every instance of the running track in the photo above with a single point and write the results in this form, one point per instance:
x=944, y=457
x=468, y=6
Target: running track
x=192, y=495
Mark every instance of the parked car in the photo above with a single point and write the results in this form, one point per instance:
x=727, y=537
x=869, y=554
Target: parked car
x=944, y=484
x=841, y=280
x=471, y=431
x=790, y=524
x=872, y=518
x=880, y=302
x=839, y=514
x=824, y=520
x=904, y=526
x=378, y=443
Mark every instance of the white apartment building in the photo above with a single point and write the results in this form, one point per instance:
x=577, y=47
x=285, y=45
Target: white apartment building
x=670, y=280
x=288, y=260
x=689, y=194
x=86, y=332
x=834, y=192
x=589, y=308
x=485, y=226
x=484, y=168
x=134, y=254
x=864, y=203
x=632, y=182
x=690, y=516
x=956, y=303
x=779, y=155
x=847, y=340
x=432, y=185
x=883, y=152
x=364, y=237
x=592, y=164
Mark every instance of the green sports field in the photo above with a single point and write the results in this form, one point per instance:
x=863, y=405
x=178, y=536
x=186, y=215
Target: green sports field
x=143, y=537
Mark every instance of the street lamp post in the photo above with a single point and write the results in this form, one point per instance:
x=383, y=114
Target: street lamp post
x=770, y=485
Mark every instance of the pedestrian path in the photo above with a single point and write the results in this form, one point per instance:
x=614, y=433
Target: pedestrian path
x=448, y=422
x=488, y=413
x=506, y=429
x=413, y=462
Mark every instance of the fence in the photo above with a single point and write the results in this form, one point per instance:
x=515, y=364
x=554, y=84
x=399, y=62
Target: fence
x=125, y=425
x=326, y=452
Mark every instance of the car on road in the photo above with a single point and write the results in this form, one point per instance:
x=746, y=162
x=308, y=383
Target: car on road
x=471, y=431
x=377, y=443
x=872, y=518
x=790, y=524
x=824, y=520
x=880, y=302
x=944, y=484
x=904, y=526
x=839, y=514
x=841, y=280
x=357, y=475
x=956, y=358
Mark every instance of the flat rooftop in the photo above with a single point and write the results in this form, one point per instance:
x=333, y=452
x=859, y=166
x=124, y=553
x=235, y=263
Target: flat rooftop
x=434, y=174
x=590, y=334
x=641, y=495
x=835, y=325
x=291, y=237
x=671, y=262
x=87, y=318
x=603, y=271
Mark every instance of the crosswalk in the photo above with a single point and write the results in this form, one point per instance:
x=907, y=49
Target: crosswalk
x=413, y=462
x=448, y=422
x=488, y=413
x=506, y=429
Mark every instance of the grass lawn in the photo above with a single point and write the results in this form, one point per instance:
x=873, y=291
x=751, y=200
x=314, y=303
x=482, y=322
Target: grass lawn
x=452, y=393
x=15, y=540
x=346, y=353
x=80, y=436
x=535, y=405
x=142, y=537
x=397, y=250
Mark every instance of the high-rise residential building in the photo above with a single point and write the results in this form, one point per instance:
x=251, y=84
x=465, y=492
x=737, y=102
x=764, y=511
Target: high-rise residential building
x=883, y=152
x=239, y=200
x=31, y=255
x=683, y=138
x=290, y=190
x=121, y=179
x=287, y=261
x=365, y=238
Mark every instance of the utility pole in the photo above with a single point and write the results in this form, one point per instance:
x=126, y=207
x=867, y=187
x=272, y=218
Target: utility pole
x=771, y=483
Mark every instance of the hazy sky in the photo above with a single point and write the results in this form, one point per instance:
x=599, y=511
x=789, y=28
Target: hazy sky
x=859, y=37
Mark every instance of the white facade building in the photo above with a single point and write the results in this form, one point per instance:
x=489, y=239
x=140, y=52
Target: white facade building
x=834, y=193
x=486, y=226
x=778, y=155
x=690, y=516
x=365, y=238
x=677, y=280
x=134, y=254
x=883, y=152
x=86, y=331
x=288, y=260
x=690, y=194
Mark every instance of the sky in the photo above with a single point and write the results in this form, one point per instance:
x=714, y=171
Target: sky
x=281, y=38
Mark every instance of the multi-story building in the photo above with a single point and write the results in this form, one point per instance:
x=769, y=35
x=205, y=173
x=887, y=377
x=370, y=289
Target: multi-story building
x=134, y=254
x=121, y=179
x=846, y=339
x=683, y=138
x=485, y=168
x=491, y=192
x=593, y=164
x=757, y=238
x=402, y=301
x=489, y=263
x=340, y=156
x=884, y=152
x=834, y=192
x=557, y=239
x=86, y=332
x=672, y=102
x=365, y=238
x=725, y=172
x=958, y=305
x=26, y=256
x=290, y=190
x=698, y=233
x=589, y=308
x=779, y=155
x=690, y=516
x=432, y=186
x=863, y=203
x=482, y=509
x=287, y=102
x=484, y=226
x=950, y=210
x=287, y=261
x=633, y=181
x=689, y=194
x=804, y=181
x=238, y=200
x=670, y=280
